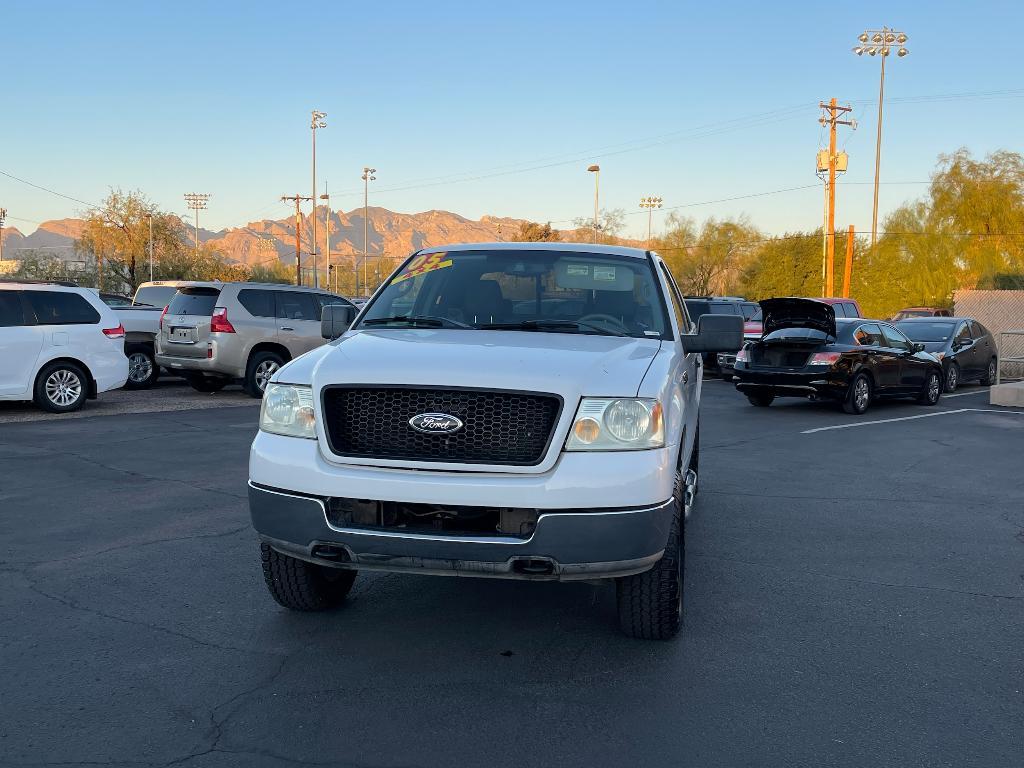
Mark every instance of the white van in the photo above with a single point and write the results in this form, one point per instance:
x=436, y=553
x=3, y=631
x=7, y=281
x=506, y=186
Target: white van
x=59, y=345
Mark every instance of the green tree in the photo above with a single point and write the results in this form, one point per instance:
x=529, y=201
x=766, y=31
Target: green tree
x=532, y=232
x=711, y=259
x=609, y=225
x=117, y=233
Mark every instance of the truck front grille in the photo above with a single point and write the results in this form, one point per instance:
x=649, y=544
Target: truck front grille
x=499, y=426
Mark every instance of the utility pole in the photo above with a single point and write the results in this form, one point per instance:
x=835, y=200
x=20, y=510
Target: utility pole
x=3, y=217
x=877, y=42
x=197, y=202
x=327, y=235
x=830, y=117
x=297, y=199
x=650, y=203
x=848, y=270
x=317, y=122
x=596, y=170
x=367, y=178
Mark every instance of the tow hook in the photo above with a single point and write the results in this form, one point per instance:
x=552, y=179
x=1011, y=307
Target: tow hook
x=690, y=492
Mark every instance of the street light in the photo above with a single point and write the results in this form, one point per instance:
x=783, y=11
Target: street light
x=882, y=40
x=596, y=170
x=650, y=203
x=149, y=215
x=367, y=178
x=316, y=122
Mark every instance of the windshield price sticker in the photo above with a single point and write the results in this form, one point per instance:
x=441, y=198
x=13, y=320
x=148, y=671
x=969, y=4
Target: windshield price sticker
x=422, y=264
x=604, y=273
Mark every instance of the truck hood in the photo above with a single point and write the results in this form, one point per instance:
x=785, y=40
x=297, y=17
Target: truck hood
x=571, y=365
x=798, y=313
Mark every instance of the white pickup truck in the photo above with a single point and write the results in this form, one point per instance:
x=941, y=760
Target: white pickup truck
x=504, y=410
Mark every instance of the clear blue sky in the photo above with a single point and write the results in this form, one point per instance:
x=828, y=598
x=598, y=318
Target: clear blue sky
x=215, y=97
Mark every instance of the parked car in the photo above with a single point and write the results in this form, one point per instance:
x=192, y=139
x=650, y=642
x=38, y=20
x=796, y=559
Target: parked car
x=753, y=328
x=216, y=333
x=807, y=352
x=471, y=433
x=59, y=346
x=697, y=306
x=909, y=312
x=965, y=347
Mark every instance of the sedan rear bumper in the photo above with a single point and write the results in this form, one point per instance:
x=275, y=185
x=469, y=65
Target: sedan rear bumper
x=565, y=544
x=823, y=384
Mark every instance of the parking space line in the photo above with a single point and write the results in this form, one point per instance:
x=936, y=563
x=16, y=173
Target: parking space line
x=908, y=418
x=964, y=394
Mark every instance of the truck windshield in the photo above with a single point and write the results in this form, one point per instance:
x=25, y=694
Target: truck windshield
x=523, y=290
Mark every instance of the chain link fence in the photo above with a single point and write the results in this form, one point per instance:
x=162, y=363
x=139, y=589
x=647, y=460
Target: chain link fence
x=998, y=311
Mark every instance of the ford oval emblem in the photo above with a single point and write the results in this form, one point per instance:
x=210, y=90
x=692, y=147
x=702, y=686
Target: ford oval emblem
x=435, y=423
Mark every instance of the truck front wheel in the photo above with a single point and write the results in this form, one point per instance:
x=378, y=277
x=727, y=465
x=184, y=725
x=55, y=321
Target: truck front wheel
x=651, y=603
x=302, y=586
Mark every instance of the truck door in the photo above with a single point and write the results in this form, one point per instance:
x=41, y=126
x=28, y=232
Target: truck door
x=686, y=374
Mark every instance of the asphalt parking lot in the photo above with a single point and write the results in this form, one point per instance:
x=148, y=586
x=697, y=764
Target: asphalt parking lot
x=854, y=597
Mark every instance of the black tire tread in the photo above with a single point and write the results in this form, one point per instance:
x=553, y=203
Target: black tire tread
x=647, y=602
x=301, y=586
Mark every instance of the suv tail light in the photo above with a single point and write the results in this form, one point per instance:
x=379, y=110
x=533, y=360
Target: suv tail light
x=824, y=358
x=161, y=325
x=219, y=322
x=743, y=356
x=114, y=333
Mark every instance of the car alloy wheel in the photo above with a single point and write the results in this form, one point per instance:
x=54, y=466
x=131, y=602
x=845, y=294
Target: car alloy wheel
x=264, y=372
x=140, y=367
x=861, y=394
x=934, y=387
x=991, y=372
x=63, y=387
x=952, y=378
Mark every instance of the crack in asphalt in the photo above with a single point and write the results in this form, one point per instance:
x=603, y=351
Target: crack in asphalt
x=71, y=604
x=855, y=580
x=21, y=565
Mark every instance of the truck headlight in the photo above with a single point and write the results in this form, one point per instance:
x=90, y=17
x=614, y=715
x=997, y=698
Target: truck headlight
x=617, y=424
x=288, y=410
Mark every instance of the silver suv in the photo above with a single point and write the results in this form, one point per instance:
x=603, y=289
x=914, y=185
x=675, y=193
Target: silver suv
x=216, y=333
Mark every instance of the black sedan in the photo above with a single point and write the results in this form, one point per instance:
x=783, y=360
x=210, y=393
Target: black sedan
x=965, y=347
x=806, y=352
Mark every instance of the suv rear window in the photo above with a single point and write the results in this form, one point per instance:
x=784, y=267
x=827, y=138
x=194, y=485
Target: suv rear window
x=11, y=313
x=194, y=301
x=60, y=308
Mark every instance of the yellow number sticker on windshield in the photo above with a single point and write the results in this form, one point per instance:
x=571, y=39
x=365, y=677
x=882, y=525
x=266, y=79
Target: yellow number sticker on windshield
x=426, y=262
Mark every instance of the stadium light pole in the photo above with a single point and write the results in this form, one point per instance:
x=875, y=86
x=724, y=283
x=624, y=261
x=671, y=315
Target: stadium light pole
x=367, y=178
x=317, y=122
x=197, y=202
x=650, y=203
x=596, y=170
x=149, y=215
x=878, y=42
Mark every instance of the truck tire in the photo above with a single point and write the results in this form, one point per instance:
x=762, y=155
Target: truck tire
x=61, y=387
x=142, y=368
x=651, y=603
x=261, y=367
x=302, y=586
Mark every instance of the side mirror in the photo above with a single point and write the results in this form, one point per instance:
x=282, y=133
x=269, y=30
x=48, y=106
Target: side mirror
x=715, y=333
x=336, y=319
x=918, y=347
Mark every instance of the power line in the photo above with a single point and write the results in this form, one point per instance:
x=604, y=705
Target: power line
x=47, y=189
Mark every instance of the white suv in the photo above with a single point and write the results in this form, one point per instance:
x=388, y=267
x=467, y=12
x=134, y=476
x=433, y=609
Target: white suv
x=508, y=410
x=59, y=345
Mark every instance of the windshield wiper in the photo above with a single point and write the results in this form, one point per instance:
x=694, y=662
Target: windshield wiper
x=426, y=320
x=542, y=325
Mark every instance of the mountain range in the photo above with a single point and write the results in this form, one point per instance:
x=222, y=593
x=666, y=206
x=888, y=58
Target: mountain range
x=388, y=233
